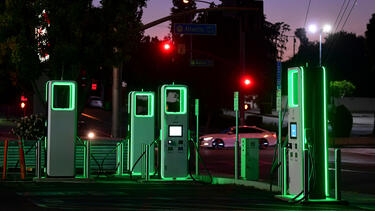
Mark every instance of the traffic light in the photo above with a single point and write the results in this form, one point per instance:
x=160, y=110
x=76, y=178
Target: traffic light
x=23, y=101
x=167, y=47
x=246, y=106
x=94, y=86
x=246, y=81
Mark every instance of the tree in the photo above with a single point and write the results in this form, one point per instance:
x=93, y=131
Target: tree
x=341, y=88
x=18, y=48
x=370, y=40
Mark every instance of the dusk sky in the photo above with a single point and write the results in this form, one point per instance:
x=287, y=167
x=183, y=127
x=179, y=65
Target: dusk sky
x=292, y=12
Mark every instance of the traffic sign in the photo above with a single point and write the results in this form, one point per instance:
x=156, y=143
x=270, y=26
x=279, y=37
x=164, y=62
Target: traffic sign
x=278, y=75
x=195, y=29
x=278, y=100
x=235, y=102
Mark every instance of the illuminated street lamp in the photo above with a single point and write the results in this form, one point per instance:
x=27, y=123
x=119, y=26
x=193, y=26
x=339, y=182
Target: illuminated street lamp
x=326, y=29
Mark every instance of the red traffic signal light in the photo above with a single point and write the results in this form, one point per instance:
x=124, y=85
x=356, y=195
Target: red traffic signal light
x=93, y=86
x=23, y=105
x=167, y=47
x=246, y=81
x=23, y=98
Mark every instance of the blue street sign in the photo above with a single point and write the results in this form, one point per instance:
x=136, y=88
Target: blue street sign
x=278, y=75
x=195, y=29
x=201, y=63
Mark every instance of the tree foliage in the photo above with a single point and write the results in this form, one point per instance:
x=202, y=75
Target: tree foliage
x=81, y=39
x=370, y=40
x=341, y=88
x=343, y=54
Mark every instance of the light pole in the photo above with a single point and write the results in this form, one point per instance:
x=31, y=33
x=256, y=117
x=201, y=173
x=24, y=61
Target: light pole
x=326, y=29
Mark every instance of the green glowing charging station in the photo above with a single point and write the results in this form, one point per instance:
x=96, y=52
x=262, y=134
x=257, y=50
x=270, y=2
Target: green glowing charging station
x=142, y=127
x=61, y=99
x=174, y=131
x=305, y=157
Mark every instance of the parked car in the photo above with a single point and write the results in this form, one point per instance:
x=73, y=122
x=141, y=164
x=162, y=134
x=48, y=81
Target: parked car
x=227, y=138
x=95, y=101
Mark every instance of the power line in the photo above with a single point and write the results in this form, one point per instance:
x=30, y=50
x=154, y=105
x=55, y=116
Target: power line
x=338, y=24
x=337, y=18
x=335, y=41
x=307, y=13
x=350, y=12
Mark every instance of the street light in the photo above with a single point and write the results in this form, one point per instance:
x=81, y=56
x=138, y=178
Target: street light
x=325, y=29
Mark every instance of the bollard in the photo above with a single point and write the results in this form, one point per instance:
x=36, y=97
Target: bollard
x=143, y=162
x=87, y=159
x=38, y=163
x=22, y=159
x=338, y=174
x=197, y=138
x=5, y=159
x=306, y=175
x=119, y=158
x=147, y=158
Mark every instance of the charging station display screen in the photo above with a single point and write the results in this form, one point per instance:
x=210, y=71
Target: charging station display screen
x=61, y=96
x=173, y=101
x=142, y=105
x=293, y=130
x=175, y=131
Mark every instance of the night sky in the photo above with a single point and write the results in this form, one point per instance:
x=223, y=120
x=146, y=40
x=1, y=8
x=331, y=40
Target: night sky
x=292, y=12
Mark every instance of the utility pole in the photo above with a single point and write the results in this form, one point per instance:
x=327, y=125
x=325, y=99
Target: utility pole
x=116, y=102
x=242, y=48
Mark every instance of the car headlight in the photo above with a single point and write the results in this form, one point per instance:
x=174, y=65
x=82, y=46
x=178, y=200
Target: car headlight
x=208, y=138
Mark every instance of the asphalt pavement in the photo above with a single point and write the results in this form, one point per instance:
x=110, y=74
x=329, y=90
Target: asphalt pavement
x=125, y=195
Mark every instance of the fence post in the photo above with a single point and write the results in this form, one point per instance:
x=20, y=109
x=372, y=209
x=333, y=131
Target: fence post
x=38, y=166
x=88, y=157
x=338, y=174
x=5, y=161
x=22, y=159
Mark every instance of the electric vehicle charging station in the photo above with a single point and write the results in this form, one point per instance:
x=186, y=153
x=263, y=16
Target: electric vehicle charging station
x=142, y=128
x=305, y=158
x=62, y=128
x=174, y=131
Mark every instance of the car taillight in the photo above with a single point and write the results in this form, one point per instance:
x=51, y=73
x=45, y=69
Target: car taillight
x=265, y=136
x=274, y=135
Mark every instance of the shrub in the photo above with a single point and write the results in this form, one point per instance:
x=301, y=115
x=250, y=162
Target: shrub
x=30, y=127
x=342, y=122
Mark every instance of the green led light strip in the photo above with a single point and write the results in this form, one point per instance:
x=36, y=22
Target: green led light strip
x=150, y=104
x=183, y=99
x=72, y=95
x=303, y=109
x=325, y=132
x=291, y=90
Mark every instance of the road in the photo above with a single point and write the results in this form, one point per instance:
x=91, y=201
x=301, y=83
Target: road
x=358, y=166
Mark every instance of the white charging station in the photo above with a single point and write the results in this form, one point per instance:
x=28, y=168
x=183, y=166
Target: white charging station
x=62, y=128
x=174, y=131
x=141, y=127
